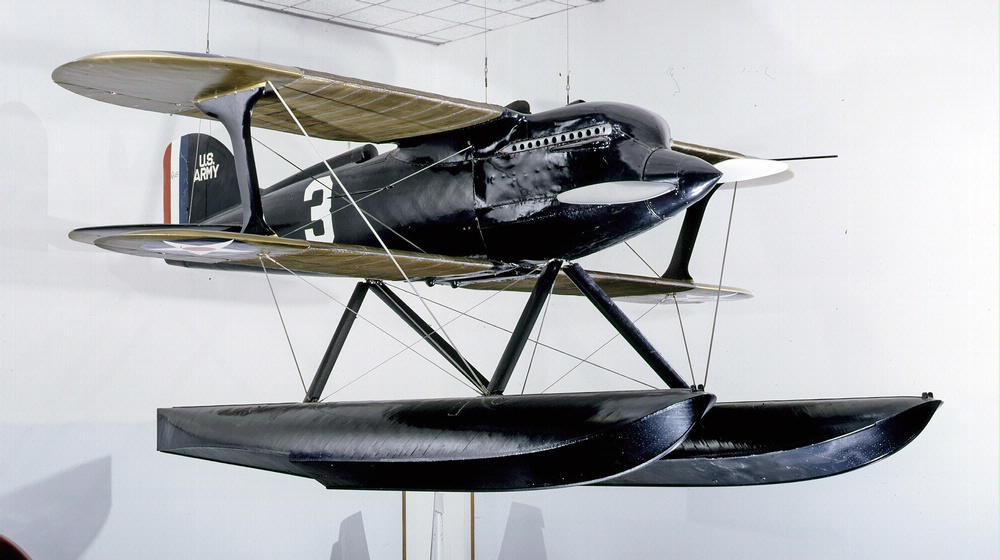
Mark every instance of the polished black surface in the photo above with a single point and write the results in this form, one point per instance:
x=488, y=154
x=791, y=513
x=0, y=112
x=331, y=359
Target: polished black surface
x=768, y=442
x=234, y=111
x=490, y=191
x=462, y=444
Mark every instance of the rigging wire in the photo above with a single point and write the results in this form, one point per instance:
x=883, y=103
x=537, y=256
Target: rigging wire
x=687, y=350
x=367, y=194
x=364, y=218
x=377, y=327
x=288, y=161
x=718, y=293
x=282, y=319
x=535, y=341
x=541, y=325
x=599, y=348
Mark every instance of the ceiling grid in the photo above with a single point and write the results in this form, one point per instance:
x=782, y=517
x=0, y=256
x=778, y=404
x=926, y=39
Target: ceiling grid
x=429, y=21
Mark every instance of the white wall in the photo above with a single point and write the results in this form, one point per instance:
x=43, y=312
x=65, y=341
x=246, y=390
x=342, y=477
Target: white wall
x=875, y=274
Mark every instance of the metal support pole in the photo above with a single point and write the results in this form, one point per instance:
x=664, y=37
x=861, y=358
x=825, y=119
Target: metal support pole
x=624, y=326
x=336, y=343
x=525, y=323
x=233, y=111
x=410, y=317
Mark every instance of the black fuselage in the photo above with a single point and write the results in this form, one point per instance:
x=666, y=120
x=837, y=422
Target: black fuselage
x=497, y=198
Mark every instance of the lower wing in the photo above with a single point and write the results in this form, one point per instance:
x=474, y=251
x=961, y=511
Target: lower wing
x=220, y=246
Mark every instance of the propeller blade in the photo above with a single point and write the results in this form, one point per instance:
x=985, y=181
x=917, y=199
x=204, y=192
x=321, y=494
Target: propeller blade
x=746, y=169
x=617, y=192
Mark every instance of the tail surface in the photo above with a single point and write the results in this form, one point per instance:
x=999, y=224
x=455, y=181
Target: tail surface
x=199, y=179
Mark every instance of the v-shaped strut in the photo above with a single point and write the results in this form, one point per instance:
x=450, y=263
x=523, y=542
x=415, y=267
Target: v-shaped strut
x=519, y=337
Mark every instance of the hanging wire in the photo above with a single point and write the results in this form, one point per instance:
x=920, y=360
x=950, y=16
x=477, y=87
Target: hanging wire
x=208, y=29
x=486, y=58
x=718, y=294
x=283, y=327
x=567, y=51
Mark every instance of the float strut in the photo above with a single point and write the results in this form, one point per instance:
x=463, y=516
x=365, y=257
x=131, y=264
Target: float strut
x=519, y=337
x=233, y=111
x=410, y=317
x=624, y=326
x=336, y=343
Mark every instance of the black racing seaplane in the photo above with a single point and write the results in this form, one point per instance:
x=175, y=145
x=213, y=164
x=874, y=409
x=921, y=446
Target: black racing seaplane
x=475, y=196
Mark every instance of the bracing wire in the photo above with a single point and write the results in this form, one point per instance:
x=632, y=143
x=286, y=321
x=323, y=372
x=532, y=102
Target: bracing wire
x=283, y=327
x=598, y=349
x=687, y=350
x=364, y=218
x=718, y=293
x=538, y=342
x=534, y=349
x=677, y=306
x=377, y=327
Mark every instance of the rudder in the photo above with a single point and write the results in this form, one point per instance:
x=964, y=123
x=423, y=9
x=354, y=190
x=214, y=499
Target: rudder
x=199, y=179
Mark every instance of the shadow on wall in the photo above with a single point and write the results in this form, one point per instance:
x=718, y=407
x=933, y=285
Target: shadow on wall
x=351, y=543
x=59, y=517
x=523, y=538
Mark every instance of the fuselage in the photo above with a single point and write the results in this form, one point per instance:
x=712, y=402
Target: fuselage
x=490, y=191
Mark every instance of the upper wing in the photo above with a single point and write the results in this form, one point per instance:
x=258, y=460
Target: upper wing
x=328, y=106
x=222, y=246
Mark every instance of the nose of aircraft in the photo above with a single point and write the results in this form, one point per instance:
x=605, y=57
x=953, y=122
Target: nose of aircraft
x=693, y=176
x=665, y=171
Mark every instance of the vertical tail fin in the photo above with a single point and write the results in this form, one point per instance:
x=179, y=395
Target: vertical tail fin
x=199, y=179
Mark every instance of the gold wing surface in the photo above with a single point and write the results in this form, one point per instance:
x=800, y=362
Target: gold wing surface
x=624, y=287
x=328, y=106
x=247, y=251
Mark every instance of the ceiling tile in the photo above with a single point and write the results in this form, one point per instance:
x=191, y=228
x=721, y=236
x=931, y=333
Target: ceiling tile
x=504, y=20
x=432, y=21
x=456, y=32
x=464, y=13
x=330, y=7
x=377, y=15
x=419, y=25
x=418, y=6
x=539, y=9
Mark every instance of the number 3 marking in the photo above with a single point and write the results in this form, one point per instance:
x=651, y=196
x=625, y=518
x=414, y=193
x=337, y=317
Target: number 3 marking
x=319, y=212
